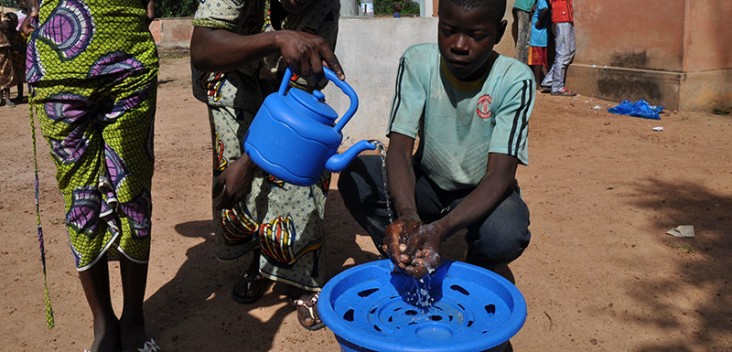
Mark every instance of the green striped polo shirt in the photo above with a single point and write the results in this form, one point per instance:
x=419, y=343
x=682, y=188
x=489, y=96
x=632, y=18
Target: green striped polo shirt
x=458, y=123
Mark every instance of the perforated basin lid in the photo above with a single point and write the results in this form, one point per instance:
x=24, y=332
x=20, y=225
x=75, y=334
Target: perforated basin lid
x=472, y=309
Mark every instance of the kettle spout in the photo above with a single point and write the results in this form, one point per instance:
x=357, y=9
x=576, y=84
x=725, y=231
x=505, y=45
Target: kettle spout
x=338, y=162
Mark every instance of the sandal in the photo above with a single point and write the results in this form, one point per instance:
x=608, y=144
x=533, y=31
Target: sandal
x=249, y=289
x=564, y=92
x=308, y=310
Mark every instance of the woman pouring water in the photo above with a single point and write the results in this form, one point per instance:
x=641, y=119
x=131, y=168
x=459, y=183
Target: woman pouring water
x=239, y=51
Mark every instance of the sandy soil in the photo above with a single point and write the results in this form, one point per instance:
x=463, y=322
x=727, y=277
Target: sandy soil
x=601, y=274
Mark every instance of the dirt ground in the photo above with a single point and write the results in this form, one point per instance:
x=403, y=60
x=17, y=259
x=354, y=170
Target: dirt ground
x=601, y=274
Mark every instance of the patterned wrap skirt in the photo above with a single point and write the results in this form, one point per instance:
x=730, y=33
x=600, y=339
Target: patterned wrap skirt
x=284, y=220
x=93, y=67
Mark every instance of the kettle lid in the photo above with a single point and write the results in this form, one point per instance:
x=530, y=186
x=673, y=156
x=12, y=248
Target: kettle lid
x=314, y=102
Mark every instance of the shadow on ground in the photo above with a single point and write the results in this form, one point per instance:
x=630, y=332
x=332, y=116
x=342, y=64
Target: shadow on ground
x=194, y=311
x=704, y=265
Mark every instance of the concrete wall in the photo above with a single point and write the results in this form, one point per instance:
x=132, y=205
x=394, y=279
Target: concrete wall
x=624, y=53
x=172, y=33
x=349, y=8
x=707, y=36
x=615, y=33
x=673, y=53
x=707, y=56
x=669, y=52
x=369, y=50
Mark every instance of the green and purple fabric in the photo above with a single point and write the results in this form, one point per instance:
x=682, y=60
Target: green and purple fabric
x=93, y=68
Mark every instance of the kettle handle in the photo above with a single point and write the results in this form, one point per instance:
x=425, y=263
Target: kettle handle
x=345, y=87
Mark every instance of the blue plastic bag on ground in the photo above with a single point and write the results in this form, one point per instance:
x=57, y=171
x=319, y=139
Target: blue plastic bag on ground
x=641, y=108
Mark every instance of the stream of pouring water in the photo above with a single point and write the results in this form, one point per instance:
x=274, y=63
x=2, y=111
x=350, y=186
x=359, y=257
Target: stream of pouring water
x=382, y=152
x=418, y=294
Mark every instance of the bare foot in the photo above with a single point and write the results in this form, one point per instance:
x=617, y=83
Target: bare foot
x=132, y=334
x=106, y=336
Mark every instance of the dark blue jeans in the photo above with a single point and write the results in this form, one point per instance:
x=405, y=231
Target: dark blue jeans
x=499, y=238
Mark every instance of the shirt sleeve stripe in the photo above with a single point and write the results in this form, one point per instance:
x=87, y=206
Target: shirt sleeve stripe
x=517, y=117
x=524, y=117
x=397, y=95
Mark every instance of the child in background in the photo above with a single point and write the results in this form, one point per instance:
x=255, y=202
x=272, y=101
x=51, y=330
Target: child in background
x=8, y=77
x=538, y=41
x=470, y=107
x=563, y=28
x=520, y=29
x=17, y=52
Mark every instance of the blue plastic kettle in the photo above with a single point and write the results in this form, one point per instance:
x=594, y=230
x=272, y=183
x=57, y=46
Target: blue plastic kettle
x=294, y=135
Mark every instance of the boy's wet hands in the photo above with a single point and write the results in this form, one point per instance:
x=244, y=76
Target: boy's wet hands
x=235, y=183
x=424, y=262
x=412, y=246
x=423, y=248
x=306, y=54
x=396, y=237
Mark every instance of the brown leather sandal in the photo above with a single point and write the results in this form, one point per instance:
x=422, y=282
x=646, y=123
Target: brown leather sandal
x=249, y=288
x=308, y=310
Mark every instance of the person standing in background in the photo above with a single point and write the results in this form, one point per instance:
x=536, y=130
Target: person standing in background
x=521, y=22
x=538, y=60
x=563, y=29
x=8, y=75
x=17, y=53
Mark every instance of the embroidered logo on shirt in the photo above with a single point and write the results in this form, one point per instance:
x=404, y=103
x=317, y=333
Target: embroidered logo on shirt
x=483, y=108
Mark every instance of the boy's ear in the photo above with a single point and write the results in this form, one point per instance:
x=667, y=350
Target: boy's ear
x=501, y=31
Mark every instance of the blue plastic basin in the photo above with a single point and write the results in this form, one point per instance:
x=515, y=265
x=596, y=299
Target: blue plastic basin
x=372, y=308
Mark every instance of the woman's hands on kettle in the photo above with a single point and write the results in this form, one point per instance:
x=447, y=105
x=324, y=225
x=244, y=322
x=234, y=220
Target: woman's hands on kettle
x=306, y=53
x=233, y=184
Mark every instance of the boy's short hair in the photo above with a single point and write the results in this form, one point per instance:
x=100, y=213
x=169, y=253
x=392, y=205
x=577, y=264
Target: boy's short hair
x=497, y=8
